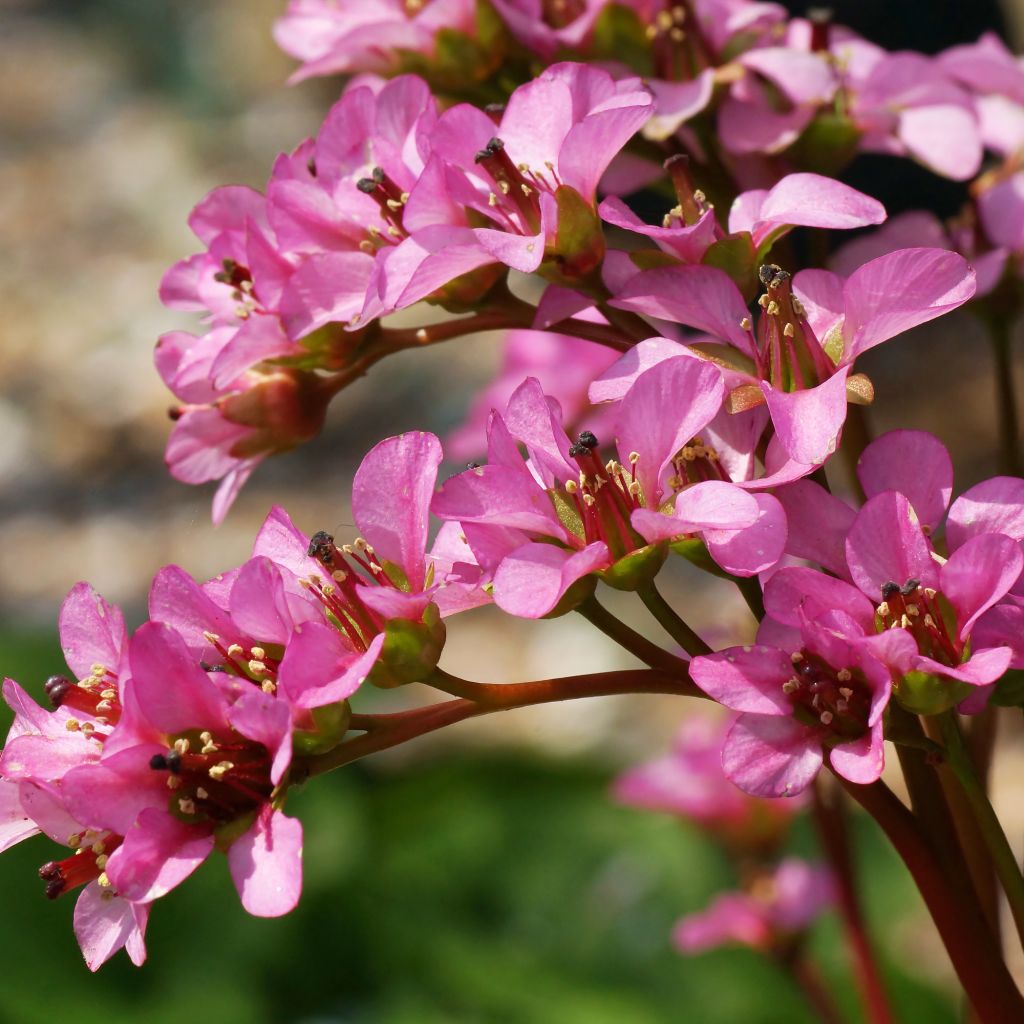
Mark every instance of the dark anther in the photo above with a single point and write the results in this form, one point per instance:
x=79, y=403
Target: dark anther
x=889, y=588
x=54, y=889
x=50, y=870
x=495, y=109
x=494, y=146
x=472, y=465
x=175, y=412
x=56, y=687
x=909, y=587
x=676, y=160
x=311, y=166
x=170, y=762
x=321, y=547
x=377, y=174
x=588, y=440
x=367, y=185
x=772, y=275
x=207, y=667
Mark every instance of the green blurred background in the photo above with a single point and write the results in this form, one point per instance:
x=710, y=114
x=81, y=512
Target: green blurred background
x=481, y=878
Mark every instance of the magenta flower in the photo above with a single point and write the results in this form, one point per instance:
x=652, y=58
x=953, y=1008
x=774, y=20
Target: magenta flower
x=365, y=35
x=886, y=550
x=219, y=754
x=689, y=782
x=600, y=514
x=825, y=690
x=556, y=137
x=771, y=911
x=809, y=333
x=809, y=200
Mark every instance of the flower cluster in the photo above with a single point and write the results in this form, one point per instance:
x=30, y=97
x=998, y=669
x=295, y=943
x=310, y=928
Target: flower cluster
x=676, y=388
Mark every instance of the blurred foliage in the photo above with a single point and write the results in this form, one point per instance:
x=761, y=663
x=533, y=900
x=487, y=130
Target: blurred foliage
x=478, y=888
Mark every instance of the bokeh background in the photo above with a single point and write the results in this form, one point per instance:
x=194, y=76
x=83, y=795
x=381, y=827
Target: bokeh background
x=482, y=878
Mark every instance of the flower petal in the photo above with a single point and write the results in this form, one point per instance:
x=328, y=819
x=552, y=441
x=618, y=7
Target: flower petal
x=769, y=756
x=266, y=864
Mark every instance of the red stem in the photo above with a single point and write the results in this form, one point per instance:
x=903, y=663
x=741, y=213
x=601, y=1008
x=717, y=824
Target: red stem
x=976, y=957
x=385, y=731
x=830, y=819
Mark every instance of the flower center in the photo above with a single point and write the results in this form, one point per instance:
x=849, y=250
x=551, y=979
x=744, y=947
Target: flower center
x=350, y=567
x=839, y=700
x=791, y=357
x=604, y=498
x=515, y=201
x=917, y=610
x=391, y=200
x=215, y=778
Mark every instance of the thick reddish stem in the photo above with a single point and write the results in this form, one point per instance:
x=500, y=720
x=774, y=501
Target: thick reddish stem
x=385, y=731
x=830, y=819
x=976, y=957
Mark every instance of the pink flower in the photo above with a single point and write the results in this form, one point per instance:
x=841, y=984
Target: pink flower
x=219, y=752
x=689, y=782
x=886, y=550
x=809, y=333
x=601, y=515
x=772, y=910
x=545, y=156
x=766, y=215
x=365, y=35
x=825, y=691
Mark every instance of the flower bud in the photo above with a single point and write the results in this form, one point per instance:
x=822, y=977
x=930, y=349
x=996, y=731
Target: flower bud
x=284, y=408
x=637, y=568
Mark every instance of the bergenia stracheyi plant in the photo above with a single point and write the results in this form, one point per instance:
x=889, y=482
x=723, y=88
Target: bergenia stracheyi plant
x=648, y=199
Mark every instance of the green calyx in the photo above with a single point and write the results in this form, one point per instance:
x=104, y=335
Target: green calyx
x=632, y=571
x=411, y=650
x=925, y=694
x=330, y=723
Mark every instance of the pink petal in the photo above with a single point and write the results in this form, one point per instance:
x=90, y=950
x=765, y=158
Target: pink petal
x=327, y=287
x=649, y=423
x=391, y=495
x=883, y=467
x=861, y=760
x=158, y=853
x=531, y=581
x=701, y=297
x=264, y=719
x=320, y=667
x=944, y=138
x=751, y=549
x=112, y=793
x=813, y=201
x=103, y=925
x=979, y=670
x=158, y=654
x=993, y=506
x=91, y=631
x=266, y=864
x=614, y=382
x=886, y=545
x=711, y=504
x=44, y=805
x=746, y=679
x=932, y=282
x=15, y=823
x=772, y=757
x=808, y=423
x=794, y=589
x=817, y=524
x=978, y=574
